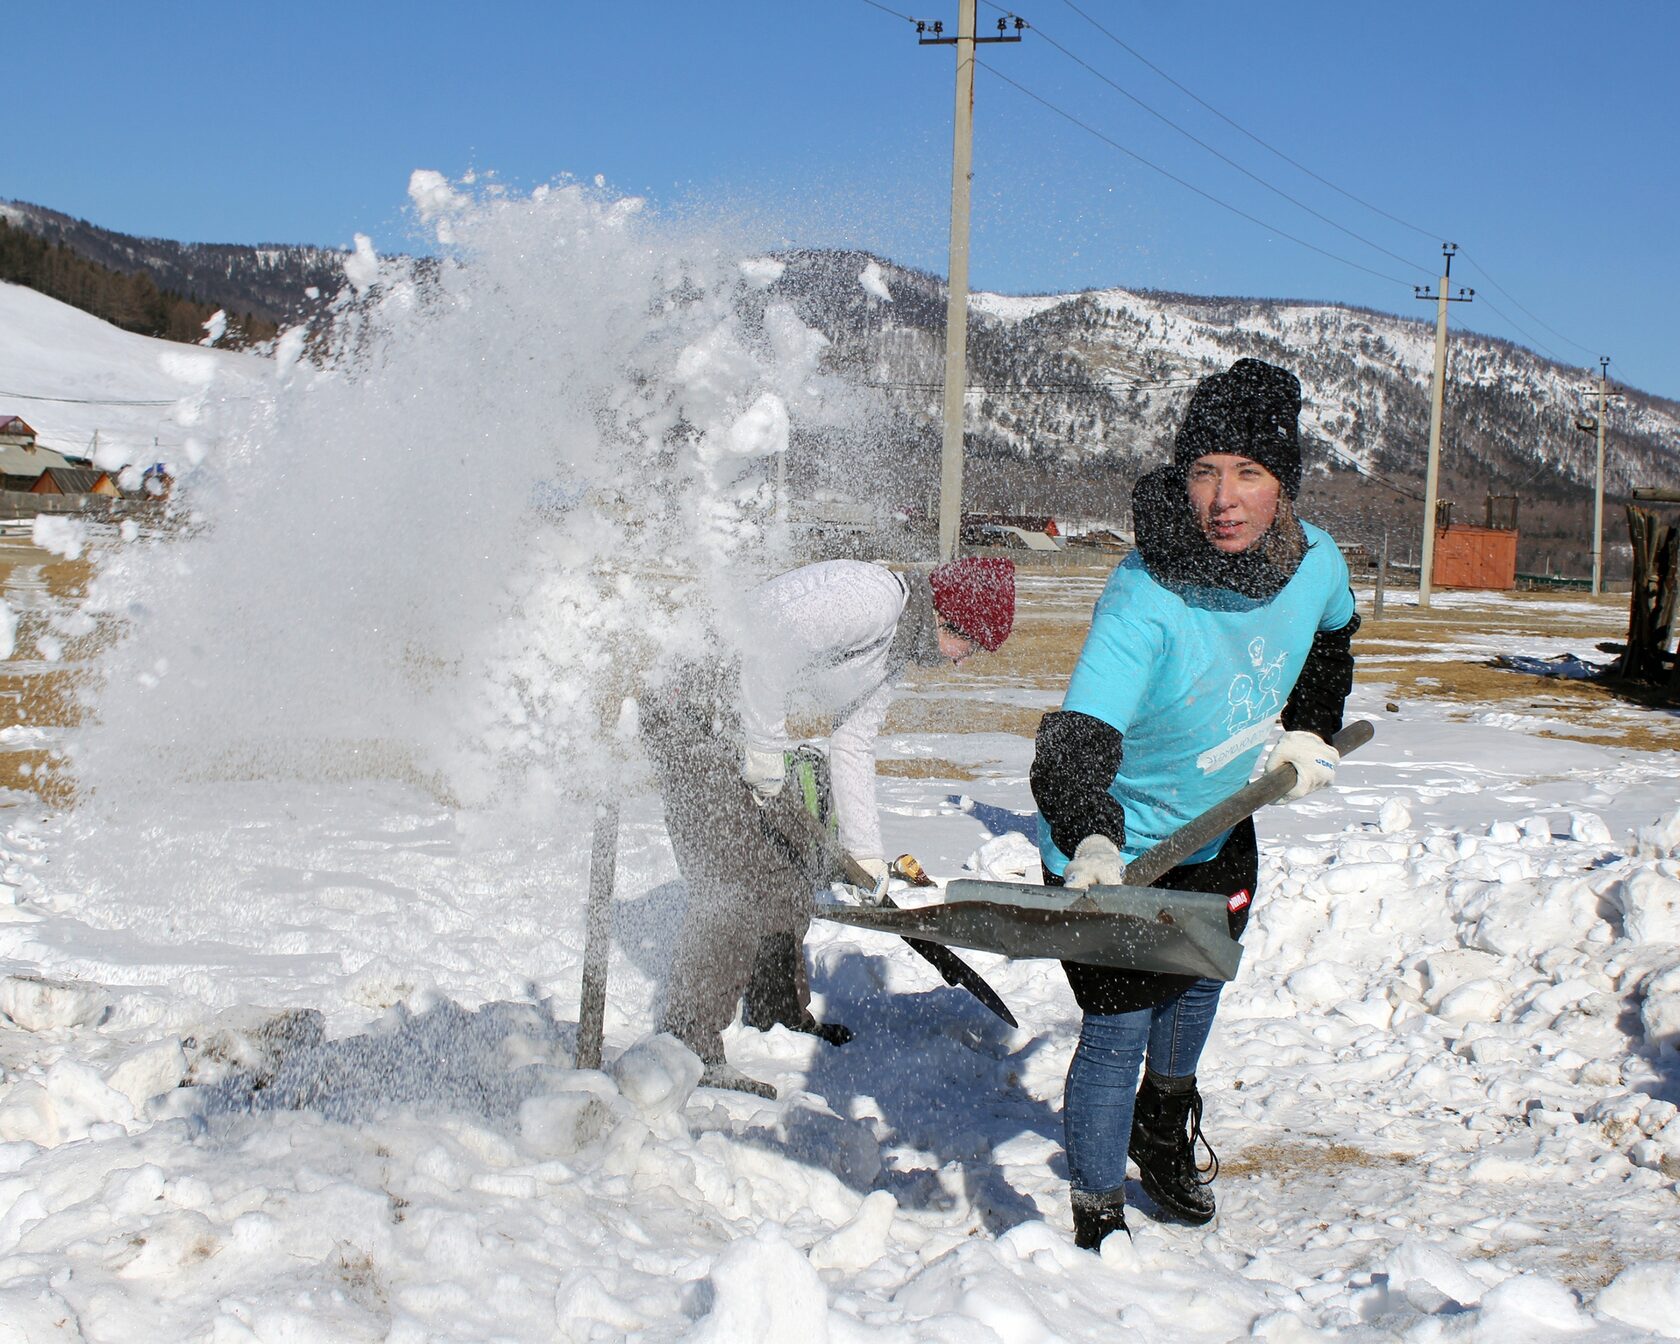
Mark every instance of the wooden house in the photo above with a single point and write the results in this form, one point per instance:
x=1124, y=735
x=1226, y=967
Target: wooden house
x=75, y=481
x=20, y=454
x=15, y=432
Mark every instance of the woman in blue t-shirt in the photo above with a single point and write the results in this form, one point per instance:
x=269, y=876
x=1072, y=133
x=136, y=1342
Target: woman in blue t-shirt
x=1230, y=617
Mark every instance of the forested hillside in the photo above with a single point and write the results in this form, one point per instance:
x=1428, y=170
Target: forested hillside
x=261, y=287
x=1071, y=395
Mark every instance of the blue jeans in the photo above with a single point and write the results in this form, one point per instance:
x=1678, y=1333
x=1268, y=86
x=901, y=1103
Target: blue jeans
x=1103, y=1078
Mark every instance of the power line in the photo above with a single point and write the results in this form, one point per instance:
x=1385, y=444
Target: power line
x=1190, y=186
x=86, y=401
x=1370, y=475
x=1264, y=144
x=873, y=5
x=1428, y=233
x=1527, y=335
x=1513, y=298
x=1225, y=158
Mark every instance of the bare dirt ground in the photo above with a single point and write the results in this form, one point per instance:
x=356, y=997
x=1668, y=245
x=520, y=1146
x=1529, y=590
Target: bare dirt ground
x=1439, y=655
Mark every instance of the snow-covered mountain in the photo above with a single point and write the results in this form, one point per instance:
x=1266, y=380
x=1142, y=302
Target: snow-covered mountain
x=1100, y=379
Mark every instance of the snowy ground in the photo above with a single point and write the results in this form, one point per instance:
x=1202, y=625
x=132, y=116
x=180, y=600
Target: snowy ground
x=286, y=1032
x=302, y=1072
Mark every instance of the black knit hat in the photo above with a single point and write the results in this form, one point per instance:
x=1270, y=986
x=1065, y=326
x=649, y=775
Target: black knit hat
x=1251, y=410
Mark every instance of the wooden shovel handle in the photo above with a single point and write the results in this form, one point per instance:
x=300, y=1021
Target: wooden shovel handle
x=1149, y=867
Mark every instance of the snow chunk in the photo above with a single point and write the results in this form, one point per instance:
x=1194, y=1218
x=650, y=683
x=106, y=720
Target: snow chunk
x=1526, y=1303
x=1394, y=817
x=1649, y=903
x=1661, y=839
x=1646, y=1296
x=288, y=348
x=764, y=1292
x=874, y=282
x=8, y=629
x=1660, y=1012
x=1475, y=1001
x=762, y=272
x=1415, y=1261
x=657, y=1075
x=432, y=195
x=560, y=1123
x=60, y=535
x=215, y=327
x=762, y=430
x=36, y=1312
x=149, y=1071
x=1589, y=829
x=27, y=1115
x=1009, y=857
x=861, y=1242
x=1524, y=922
x=361, y=267
x=36, y=1003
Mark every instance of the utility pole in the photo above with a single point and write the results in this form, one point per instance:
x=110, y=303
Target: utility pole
x=1436, y=398
x=1598, y=481
x=956, y=303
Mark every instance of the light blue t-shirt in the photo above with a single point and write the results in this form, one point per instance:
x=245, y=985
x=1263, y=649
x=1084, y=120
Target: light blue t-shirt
x=1194, y=679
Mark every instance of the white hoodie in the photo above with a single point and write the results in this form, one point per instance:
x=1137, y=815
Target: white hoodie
x=818, y=638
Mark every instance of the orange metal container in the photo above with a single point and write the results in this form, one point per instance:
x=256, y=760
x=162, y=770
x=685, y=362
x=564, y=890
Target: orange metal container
x=1475, y=557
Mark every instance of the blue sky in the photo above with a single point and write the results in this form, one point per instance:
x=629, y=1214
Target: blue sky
x=1537, y=134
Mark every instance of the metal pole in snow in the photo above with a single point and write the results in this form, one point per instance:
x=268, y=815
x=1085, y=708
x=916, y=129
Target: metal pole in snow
x=597, y=938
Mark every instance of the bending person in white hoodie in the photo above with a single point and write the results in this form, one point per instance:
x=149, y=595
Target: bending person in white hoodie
x=831, y=638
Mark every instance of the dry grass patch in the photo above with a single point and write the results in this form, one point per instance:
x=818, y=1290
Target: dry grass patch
x=951, y=715
x=924, y=767
x=1289, y=1159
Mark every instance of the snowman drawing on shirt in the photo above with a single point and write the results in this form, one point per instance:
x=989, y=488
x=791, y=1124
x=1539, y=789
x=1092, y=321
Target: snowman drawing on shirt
x=1255, y=696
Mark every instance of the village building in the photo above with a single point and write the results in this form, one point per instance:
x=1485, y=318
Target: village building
x=21, y=455
x=74, y=481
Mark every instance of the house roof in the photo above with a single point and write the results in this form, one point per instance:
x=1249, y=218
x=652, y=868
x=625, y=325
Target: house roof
x=75, y=480
x=18, y=460
x=15, y=424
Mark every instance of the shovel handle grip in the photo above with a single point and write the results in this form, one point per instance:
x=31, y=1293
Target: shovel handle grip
x=1150, y=866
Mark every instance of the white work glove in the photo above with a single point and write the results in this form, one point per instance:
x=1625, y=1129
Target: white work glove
x=1095, y=863
x=877, y=869
x=1314, y=759
x=763, y=773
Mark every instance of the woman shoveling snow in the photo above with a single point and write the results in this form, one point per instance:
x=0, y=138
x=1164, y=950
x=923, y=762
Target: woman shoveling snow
x=1230, y=615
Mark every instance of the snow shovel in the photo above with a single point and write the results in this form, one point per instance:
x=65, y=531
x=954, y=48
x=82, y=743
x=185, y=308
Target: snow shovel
x=952, y=968
x=1133, y=927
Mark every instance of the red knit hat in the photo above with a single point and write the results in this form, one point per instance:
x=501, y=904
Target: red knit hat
x=975, y=596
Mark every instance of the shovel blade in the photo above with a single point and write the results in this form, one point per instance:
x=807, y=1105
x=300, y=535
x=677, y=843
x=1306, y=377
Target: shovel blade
x=1131, y=928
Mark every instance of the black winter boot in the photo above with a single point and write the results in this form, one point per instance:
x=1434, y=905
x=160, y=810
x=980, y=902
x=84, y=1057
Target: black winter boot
x=1165, y=1128
x=1095, y=1216
x=772, y=997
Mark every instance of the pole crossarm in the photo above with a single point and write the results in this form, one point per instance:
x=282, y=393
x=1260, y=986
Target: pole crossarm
x=937, y=28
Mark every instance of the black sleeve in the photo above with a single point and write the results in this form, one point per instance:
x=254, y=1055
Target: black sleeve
x=1315, y=705
x=1074, y=761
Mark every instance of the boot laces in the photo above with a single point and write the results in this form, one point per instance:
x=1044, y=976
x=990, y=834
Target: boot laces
x=1201, y=1175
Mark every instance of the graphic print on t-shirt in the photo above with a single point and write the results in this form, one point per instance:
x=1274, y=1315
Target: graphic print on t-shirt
x=1255, y=697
